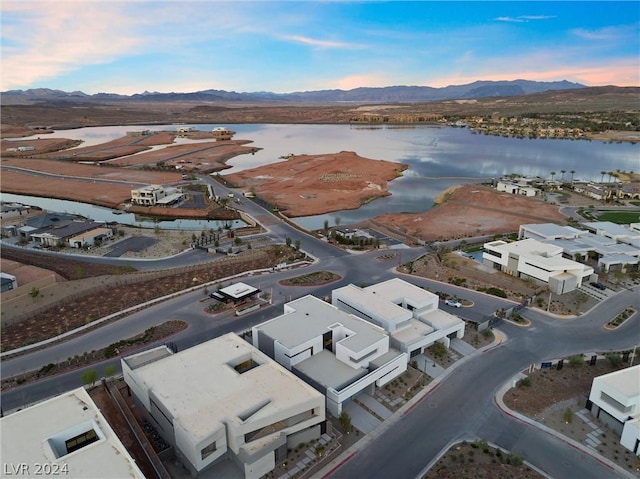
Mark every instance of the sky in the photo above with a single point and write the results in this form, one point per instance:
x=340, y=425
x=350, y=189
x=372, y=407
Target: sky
x=134, y=46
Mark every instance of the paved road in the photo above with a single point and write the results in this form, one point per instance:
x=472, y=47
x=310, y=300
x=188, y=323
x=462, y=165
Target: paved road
x=462, y=405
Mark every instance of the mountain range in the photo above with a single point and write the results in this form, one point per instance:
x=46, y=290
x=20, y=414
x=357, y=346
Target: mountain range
x=392, y=94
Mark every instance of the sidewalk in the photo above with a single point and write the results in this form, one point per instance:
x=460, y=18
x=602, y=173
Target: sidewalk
x=383, y=426
x=583, y=433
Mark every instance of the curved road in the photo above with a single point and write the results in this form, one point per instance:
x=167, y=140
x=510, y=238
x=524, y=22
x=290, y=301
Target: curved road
x=462, y=406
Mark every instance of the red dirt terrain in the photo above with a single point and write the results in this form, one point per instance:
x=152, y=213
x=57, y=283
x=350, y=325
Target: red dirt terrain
x=307, y=185
x=474, y=210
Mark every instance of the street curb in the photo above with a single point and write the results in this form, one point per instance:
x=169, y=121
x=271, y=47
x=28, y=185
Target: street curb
x=135, y=308
x=499, y=401
x=408, y=406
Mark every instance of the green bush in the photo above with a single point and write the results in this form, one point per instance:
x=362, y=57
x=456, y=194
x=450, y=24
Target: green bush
x=524, y=383
x=615, y=359
x=576, y=361
x=496, y=292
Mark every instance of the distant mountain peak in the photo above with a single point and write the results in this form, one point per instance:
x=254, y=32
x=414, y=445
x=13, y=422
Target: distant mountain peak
x=390, y=94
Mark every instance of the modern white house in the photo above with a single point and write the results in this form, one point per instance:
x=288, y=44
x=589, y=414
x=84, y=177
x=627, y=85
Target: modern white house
x=619, y=233
x=410, y=314
x=224, y=403
x=338, y=353
x=549, y=231
x=66, y=436
x=613, y=246
x=615, y=400
x=538, y=261
x=517, y=187
x=153, y=195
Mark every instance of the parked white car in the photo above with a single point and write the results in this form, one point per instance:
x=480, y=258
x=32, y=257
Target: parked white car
x=453, y=303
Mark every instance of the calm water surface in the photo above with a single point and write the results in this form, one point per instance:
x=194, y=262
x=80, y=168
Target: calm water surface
x=438, y=157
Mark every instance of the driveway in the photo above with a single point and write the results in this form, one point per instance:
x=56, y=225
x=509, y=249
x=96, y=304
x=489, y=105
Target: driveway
x=135, y=243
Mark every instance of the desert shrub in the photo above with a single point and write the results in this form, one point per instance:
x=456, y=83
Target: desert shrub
x=576, y=361
x=496, y=292
x=615, y=359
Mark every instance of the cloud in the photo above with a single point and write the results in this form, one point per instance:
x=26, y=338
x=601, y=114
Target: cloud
x=45, y=39
x=608, y=33
x=317, y=43
x=509, y=19
x=523, y=18
x=536, y=17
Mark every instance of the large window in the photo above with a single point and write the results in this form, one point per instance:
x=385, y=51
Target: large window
x=207, y=451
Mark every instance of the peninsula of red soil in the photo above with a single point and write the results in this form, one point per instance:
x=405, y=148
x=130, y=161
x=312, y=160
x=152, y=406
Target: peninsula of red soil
x=474, y=210
x=307, y=185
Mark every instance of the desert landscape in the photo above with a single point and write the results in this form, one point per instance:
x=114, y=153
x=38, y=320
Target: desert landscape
x=473, y=210
x=306, y=185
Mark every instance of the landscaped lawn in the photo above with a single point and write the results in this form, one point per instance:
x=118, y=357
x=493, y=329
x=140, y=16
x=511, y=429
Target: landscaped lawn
x=620, y=217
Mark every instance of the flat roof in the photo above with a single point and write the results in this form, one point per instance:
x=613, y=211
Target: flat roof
x=170, y=198
x=552, y=230
x=360, y=298
x=34, y=434
x=310, y=317
x=328, y=371
x=626, y=381
x=238, y=290
x=201, y=389
x=613, y=229
x=396, y=289
x=440, y=319
x=531, y=246
x=414, y=332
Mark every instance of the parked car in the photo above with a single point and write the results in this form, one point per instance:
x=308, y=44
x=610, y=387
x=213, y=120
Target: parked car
x=600, y=286
x=453, y=303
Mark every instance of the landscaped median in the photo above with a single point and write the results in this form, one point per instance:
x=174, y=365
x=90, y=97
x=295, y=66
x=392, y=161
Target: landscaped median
x=151, y=335
x=620, y=319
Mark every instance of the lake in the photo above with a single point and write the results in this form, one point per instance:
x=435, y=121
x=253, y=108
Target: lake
x=438, y=157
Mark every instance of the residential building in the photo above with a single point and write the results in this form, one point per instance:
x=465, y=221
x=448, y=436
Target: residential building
x=66, y=436
x=338, y=353
x=224, y=402
x=538, y=261
x=629, y=191
x=619, y=233
x=614, y=248
x=615, y=400
x=548, y=231
x=7, y=282
x=221, y=133
x=153, y=195
x=9, y=210
x=521, y=187
x=73, y=233
x=599, y=193
x=410, y=314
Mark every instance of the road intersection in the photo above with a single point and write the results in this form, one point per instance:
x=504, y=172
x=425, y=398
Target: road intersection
x=463, y=405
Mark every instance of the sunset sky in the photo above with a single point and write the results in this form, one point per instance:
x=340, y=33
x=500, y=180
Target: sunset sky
x=185, y=46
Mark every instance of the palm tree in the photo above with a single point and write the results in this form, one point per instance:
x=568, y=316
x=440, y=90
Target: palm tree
x=572, y=173
x=553, y=173
x=563, y=172
x=602, y=177
x=610, y=174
